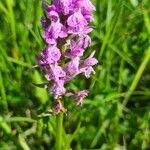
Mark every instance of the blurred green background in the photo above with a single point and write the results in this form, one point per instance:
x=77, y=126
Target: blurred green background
x=115, y=115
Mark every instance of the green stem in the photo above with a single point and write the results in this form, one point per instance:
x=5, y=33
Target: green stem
x=3, y=93
x=12, y=26
x=12, y=20
x=137, y=76
x=20, y=119
x=59, y=131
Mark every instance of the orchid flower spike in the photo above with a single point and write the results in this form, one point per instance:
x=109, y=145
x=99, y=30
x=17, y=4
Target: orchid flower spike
x=66, y=28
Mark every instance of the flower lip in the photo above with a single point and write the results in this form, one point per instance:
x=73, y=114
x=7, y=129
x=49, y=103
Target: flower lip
x=90, y=61
x=56, y=72
x=49, y=55
x=79, y=97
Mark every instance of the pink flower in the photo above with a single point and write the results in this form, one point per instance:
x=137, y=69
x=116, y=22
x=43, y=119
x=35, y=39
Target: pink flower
x=90, y=61
x=66, y=37
x=63, y=6
x=86, y=66
x=49, y=55
x=72, y=68
x=56, y=72
x=75, y=50
x=58, y=89
x=86, y=5
x=55, y=30
x=87, y=71
x=84, y=41
x=77, y=20
x=79, y=97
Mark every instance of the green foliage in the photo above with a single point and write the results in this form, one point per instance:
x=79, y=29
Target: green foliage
x=116, y=115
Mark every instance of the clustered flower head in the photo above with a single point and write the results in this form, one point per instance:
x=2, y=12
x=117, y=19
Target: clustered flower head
x=66, y=36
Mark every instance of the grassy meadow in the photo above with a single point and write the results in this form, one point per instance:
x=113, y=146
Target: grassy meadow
x=115, y=115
